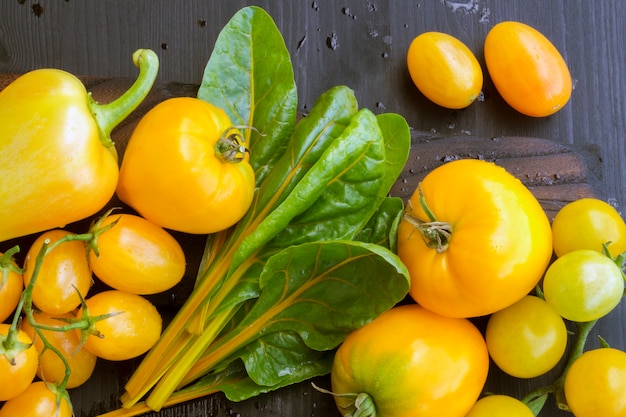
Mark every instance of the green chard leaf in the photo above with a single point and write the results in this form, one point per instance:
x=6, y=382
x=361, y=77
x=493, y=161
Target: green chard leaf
x=288, y=190
x=282, y=358
x=397, y=136
x=382, y=228
x=250, y=76
x=341, y=191
x=322, y=291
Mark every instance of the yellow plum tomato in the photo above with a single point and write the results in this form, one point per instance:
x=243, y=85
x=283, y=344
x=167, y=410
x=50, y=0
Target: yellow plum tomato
x=500, y=406
x=131, y=327
x=64, y=273
x=588, y=223
x=527, y=69
x=51, y=367
x=596, y=382
x=137, y=256
x=444, y=69
x=18, y=363
x=526, y=339
x=40, y=399
x=11, y=286
x=474, y=239
x=411, y=362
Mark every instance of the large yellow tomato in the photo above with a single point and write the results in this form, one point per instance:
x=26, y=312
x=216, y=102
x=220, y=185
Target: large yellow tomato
x=527, y=69
x=444, y=69
x=411, y=362
x=186, y=168
x=483, y=244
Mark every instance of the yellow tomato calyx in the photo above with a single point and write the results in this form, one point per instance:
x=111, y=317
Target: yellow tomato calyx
x=436, y=234
x=230, y=146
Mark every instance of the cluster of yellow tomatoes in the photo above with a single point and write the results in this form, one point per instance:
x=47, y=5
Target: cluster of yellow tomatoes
x=71, y=328
x=526, y=68
x=477, y=244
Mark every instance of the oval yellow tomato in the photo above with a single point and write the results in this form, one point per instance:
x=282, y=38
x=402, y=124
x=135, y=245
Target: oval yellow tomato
x=64, y=273
x=527, y=69
x=186, y=169
x=51, y=368
x=411, y=362
x=137, y=256
x=11, y=286
x=588, y=223
x=483, y=244
x=444, y=69
x=38, y=400
x=132, y=327
x=19, y=373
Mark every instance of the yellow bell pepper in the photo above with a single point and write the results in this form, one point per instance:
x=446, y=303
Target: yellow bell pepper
x=58, y=163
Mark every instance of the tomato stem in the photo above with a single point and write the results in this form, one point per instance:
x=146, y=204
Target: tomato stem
x=436, y=234
x=230, y=146
x=362, y=406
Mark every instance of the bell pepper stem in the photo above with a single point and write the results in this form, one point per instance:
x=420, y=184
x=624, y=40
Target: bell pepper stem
x=109, y=115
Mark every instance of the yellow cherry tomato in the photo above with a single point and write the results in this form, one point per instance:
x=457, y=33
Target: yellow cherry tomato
x=596, y=382
x=482, y=245
x=526, y=339
x=411, y=362
x=444, y=69
x=186, y=169
x=137, y=256
x=527, y=69
x=500, y=406
x=588, y=223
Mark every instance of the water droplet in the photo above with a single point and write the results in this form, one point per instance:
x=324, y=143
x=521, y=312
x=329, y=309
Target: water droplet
x=301, y=43
x=315, y=6
x=331, y=41
x=347, y=12
x=385, y=55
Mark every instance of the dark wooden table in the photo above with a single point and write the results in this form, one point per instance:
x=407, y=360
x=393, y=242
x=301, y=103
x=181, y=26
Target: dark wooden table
x=370, y=39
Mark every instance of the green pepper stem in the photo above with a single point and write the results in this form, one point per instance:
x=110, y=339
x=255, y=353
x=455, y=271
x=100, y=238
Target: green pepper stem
x=109, y=115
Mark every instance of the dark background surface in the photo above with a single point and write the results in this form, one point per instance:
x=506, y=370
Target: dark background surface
x=370, y=39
